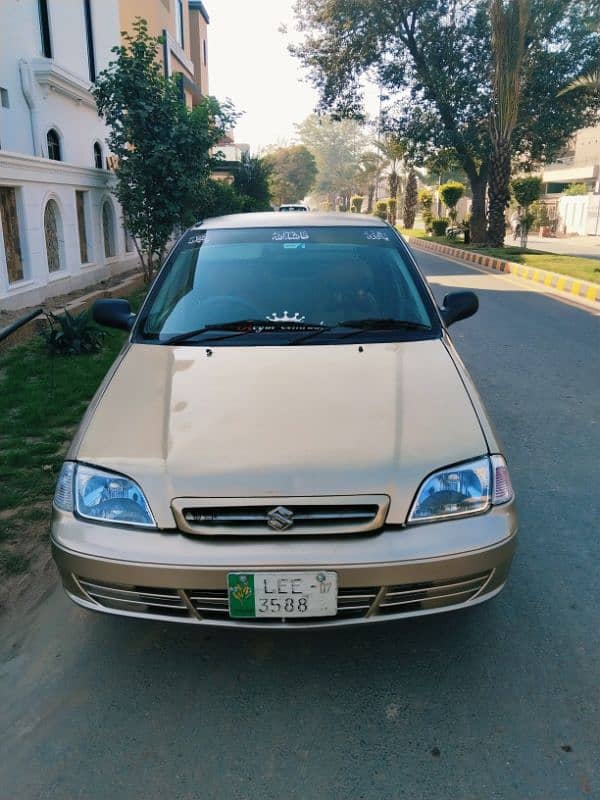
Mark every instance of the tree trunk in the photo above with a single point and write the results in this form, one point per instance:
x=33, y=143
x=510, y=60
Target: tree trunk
x=478, y=220
x=370, y=196
x=499, y=193
x=410, y=200
x=393, y=181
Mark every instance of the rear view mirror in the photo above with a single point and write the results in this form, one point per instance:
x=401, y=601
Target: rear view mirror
x=113, y=314
x=459, y=305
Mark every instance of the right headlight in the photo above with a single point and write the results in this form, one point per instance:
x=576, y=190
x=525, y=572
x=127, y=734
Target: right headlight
x=464, y=489
x=102, y=496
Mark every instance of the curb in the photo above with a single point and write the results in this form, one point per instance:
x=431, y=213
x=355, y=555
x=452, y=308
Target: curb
x=31, y=328
x=562, y=283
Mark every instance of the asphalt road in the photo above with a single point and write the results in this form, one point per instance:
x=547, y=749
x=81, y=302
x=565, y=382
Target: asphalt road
x=499, y=702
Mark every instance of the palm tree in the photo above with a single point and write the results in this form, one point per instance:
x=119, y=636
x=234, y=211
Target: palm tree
x=393, y=153
x=368, y=172
x=509, y=23
x=590, y=82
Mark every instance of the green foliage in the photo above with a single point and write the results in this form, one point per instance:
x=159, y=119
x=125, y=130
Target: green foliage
x=251, y=181
x=436, y=57
x=392, y=205
x=425, y=200
x=574, y=189
x=337, y=146
x=292, y=173
x=439, y=225
x=356, y=202
x=451, y=192
x=381, y=209
x=163, y=150
x=72, y=334
x=526, y=189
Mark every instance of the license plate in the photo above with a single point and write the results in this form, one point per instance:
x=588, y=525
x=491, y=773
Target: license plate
x=282, y=595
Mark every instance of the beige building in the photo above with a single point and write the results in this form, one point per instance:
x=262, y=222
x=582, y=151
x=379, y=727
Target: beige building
x=184, y=26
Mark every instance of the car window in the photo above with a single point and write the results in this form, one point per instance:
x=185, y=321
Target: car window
x=321, y=276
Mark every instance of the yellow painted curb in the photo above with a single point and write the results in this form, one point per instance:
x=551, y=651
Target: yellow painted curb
x=577, y=287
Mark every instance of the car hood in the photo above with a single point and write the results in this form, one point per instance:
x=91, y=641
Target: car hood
x=281, y=421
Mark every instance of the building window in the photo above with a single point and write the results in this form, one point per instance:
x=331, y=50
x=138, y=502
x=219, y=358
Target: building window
x=53, y=140
x=89, y=35
x=204, y=52
x=45, y=28
x=179, y=21
x=81, y=226
x=108, y=229
x=98, y=156
x=52, y=230
x=10, y=231
x=129, y=243
x=4, y=98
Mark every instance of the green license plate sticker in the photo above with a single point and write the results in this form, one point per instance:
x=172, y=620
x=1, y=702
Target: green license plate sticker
x=242, y=600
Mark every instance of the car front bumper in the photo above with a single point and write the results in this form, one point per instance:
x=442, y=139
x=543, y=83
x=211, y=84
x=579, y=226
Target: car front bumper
x=393, y=574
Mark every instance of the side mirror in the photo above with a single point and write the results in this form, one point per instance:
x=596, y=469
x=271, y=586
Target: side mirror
x=113, y=314
x=459, y=305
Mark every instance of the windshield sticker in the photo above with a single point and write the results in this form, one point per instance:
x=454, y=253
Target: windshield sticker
x=290, y=236
x=196, y=238
x=286, y=318
x=380, y=236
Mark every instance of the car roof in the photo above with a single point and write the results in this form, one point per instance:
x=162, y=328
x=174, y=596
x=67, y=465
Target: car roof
x=281, y=219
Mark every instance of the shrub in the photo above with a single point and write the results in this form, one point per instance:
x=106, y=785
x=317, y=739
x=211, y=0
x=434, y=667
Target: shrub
x=72, y=335
x=392, y=204
x=451, y=192
x=439, y=225
x=381, y=209
x=574, y=189
x=526, y=190
x=425, y=198
x=356, y=202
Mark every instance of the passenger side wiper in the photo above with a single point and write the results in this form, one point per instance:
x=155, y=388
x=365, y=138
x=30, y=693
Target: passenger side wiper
x=381, y=324
x=243, y=327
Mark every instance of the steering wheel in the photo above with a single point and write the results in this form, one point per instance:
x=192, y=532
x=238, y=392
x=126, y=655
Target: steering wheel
x=225, y=308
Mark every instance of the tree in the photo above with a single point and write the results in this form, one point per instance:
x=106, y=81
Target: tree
x=526, y=190
x=162, y=148
x=393, y=152
x=425, y=199
x=451, y=192
x=338, y=147
x=251, y=181
x=293, y=173
x=435, y=58
x=410, y=200
x=369, y=169
x=509, y=30
x=589, y=82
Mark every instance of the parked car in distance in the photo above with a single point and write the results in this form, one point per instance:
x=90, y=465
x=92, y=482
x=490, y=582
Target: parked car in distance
x=294, y=207
x=288, y=439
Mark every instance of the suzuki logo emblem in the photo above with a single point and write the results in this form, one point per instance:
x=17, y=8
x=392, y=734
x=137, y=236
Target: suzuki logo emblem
x=280, y=518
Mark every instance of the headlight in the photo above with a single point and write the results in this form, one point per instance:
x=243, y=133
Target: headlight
x=464, y=489
x=102, y=496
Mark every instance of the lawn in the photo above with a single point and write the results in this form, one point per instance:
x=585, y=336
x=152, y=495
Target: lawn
x=42, y=399
x=587, y=269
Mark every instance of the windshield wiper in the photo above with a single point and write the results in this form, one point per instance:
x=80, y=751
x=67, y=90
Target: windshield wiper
x=381, y=324
x=242, y=327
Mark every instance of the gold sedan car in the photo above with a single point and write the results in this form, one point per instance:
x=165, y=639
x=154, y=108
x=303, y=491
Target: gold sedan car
x=288, y=439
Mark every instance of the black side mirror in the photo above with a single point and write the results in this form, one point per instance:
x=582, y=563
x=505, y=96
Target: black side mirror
x=459, y=305
x=113, y=314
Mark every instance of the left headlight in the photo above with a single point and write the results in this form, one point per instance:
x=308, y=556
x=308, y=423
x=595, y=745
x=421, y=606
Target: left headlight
x=102, y=496
x=461, y=490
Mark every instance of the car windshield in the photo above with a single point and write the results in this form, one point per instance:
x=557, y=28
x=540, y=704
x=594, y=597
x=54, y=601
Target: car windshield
x=293, y=279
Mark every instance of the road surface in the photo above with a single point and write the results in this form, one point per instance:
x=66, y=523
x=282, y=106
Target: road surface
x=497, y=703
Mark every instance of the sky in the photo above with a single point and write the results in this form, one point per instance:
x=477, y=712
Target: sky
x=250, y=64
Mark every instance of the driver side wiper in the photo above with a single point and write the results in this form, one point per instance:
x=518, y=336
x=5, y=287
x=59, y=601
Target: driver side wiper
x=242, y=327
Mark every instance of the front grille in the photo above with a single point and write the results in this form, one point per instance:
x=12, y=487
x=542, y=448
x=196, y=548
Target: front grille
x=353, y=602
x=281, y=516
x=258, y=516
